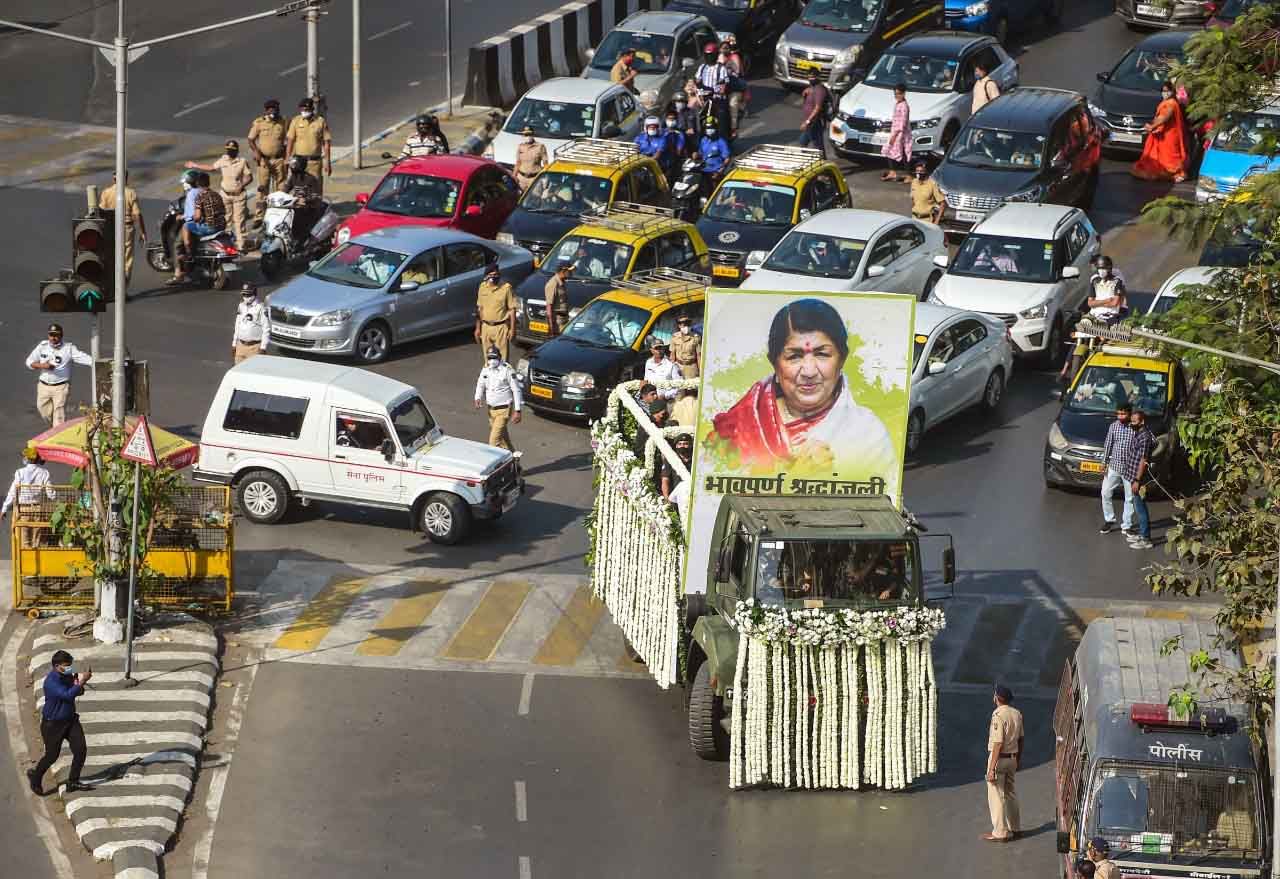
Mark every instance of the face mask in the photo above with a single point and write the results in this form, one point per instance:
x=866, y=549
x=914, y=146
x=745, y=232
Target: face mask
x=231, y=154
x=1166, y=95
x=711, y=133
x=185, y=186
x=1104, y=273
x=306, y=114
x=273, y=114
x=651, y=131
x=69, y=670
x=493, y=362
x=529, y=139
x=684, y=330
x=671, y=123
x=920, y=175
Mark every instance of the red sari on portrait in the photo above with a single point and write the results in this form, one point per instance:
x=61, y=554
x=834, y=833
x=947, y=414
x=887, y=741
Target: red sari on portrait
x=1164, y=155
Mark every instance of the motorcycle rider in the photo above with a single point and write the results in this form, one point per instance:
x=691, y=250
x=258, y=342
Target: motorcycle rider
x=208, y=217
x=303, y=186
x=688, y=122
x=713, y=78
x=1107, y=304
x=424, y=143
x=715, y=152
x=732, y=59
x=653, y=142
x=675, y=142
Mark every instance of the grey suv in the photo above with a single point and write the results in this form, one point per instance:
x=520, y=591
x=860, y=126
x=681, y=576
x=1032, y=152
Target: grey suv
x=668, y=51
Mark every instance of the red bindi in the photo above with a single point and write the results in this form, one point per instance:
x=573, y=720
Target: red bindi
x=808, y=347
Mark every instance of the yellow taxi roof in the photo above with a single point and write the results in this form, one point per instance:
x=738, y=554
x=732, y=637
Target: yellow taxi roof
x=649, y=302
x=1130, y=358
x=590, y=169
x=630, y=236
x=752, y=175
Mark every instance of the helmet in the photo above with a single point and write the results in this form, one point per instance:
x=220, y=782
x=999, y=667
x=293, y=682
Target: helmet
x=31, y=456
x=711, y=48
x=424, y=123
x=297, y=164
x=191, y=177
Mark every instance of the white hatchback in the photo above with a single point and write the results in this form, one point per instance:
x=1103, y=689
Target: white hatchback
x=1028, y=265
x=567, y=108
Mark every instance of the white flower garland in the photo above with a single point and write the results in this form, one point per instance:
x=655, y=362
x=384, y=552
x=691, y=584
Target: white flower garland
x=796, y=715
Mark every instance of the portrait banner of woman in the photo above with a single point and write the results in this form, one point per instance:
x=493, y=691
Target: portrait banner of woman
x=801, y=394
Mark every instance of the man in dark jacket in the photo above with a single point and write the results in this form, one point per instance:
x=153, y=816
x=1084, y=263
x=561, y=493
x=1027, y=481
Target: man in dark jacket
x=59, y=722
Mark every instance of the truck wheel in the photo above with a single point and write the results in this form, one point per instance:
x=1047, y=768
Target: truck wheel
x=707, y=735
x=445, y=518
x=263, y=497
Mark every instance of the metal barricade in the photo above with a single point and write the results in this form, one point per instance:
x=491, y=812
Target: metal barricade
x=189, y=564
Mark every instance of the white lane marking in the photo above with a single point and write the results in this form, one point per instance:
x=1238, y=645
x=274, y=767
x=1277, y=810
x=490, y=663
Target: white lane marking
x=295, y=68
x=79, y=803
x=391, y=30
x=526, y=867
x=143, y=758
x=415, y=83
x=526, y=693
x=89, y=825
x=218, y=777
x=21, y=757
x=522, y=803
x=199, y=106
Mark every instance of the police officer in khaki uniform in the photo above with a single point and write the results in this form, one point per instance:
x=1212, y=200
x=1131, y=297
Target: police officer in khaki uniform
x=622, y=72
x=1004, y=758
x=1099, y=852
x=234, y=187
x=531, y=158
x=266, y=140
x=308, y=136
x=133, y=221
x=557, y=298
x=686, y=347
x=495, y=313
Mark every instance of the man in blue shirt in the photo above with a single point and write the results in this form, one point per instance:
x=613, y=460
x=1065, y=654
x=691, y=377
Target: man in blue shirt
x=653, y=142
x=715, y=151
x=59, y=722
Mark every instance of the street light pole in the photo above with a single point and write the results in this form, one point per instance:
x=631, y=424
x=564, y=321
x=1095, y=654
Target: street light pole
x=356, y=158
x=448, y=58
x=312, y=18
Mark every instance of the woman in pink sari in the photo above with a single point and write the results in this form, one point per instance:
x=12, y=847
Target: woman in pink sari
x=1164, y=155
x=898, y=149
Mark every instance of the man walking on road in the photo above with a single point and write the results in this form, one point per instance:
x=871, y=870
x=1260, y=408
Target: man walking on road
x=1133, y=467
x=813, y=130
x=133, y=221
x=495, y=313
x=236, y=177
x=250, y=334
x=556, y=295
x=53, y=359
x=1119, y=436
x=59, y=723
x=1004, y=758
x=927, y=200
x=499, y=389
x=266, y=140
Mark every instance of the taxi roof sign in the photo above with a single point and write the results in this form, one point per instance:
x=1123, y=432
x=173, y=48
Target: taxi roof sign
x=139, y=447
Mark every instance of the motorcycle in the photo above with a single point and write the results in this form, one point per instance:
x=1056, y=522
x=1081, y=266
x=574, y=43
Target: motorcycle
x=688, y=194
x=280, y=244
x=215, y=256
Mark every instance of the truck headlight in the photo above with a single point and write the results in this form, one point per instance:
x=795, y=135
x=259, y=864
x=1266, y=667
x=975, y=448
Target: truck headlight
x=519, y=308
x=332, y=318
x=581, y=380
x=522, y=368
x=981, y=8
x=344, y=235
x=1035, y=312
x=846, y=57
x=1057, y=441
x=505, y=238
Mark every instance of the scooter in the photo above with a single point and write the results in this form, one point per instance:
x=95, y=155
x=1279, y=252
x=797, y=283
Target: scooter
x=279, y=243
x=687, y=195
x=215, y=256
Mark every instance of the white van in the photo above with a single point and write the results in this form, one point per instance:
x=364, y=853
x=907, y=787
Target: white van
x=280, y=429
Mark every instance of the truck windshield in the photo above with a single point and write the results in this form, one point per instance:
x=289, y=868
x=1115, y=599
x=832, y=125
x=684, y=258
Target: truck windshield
x=865, y=573
x=1177, y=811
x=412, y=421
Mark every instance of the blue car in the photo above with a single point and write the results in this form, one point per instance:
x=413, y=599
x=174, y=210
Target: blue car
x=1230, y=158
x=998, y=17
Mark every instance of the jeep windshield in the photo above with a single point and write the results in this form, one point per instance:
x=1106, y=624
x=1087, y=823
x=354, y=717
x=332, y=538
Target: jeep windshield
x=1103, y=389
x=740, y=201
x=1005, y=259
x=412, y=422
x=562, y=192
x=862, y=573
x=842, y=15
x=1176, y=811
x=607, y=324
x=920, y=73
x=997, y=149
x=358, y=265
x=415, y=195
x=593, y=259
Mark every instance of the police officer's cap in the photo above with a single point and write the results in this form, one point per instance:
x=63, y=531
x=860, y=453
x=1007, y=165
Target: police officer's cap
x=232, y=144
x=55, y=328
x=491, y=269
x=684, y=319
x=526, y=130
x=684, y=440
x=1100, y=845
x=657, y=344
x=1004, y=693
x=271, y=104
x=493, y=353
x=306, y=104
x=249, y=290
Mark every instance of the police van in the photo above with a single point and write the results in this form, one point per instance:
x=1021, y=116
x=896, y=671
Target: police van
x=1174, y=796
x=281, y=430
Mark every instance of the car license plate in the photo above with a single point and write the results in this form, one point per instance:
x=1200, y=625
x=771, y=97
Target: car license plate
x=1153, y=11
x=970, y=216
x=725, y=271
x=876, y=139
x=537, y=326
x=230, y=267
x=1090, y=467
x=545, y=393
x=287, y=332
x=1125, y=137
x=807, y=65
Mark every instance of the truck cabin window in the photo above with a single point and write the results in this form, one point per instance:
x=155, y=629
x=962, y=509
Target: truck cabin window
x=1176, y=811
x=865, y=573
x=352, y=432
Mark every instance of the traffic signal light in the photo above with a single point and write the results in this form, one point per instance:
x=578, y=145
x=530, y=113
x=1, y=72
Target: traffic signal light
x=93, y=249
x=57, y=294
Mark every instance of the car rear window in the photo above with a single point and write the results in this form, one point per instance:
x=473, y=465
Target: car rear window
x=265, y=414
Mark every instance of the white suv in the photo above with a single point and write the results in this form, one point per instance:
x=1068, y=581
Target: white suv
x=1027, y=264
x=280, y=429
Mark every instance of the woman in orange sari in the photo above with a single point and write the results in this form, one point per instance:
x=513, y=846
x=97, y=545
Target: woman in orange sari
x=1164, y=155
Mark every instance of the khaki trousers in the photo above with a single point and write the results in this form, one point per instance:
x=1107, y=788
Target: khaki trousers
x=245, y=350
x=499, y=416
x=689, y=370
x=237, y=216
x=1002, y=800
x=128, y=252
x=51, y=401
x=271, y=174
x=499, y=336
x=314, y=168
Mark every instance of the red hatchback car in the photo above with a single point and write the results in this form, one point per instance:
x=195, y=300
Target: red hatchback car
x=454, y=191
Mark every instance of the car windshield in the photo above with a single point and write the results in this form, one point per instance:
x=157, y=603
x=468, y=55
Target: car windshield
x=1177, y=811
x=1005, y=259
x=358, y=265
x=606, y=323
x=554, y=119
x=593, y=259
x=561, y=192
x=842, y=15
x=729, y=4
x=741, y=201
x=822, y=256
x=653, y=51
x=1248, y=132
x=866, y=573
x=1103, y=389
x=1144, y=70
x=412, y=422
x=993, y=148
x=920, y=73
x=415, y=195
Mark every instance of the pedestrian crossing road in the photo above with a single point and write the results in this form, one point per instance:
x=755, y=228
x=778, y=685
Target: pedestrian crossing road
x=431, y=618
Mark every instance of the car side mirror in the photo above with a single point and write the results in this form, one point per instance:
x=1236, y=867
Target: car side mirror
x=937, y=367
x=875, y=271
x=1070, y=272
x=473, y=210
x=611, y=129
x=1064, y=842
x=1103, y=76
x=408, y=286
x=388, y=449
x=1055, y=394
x=362, y=198
x=686, y=64
x=805, y=214
x=949, y=565
x=590, y=53
x=387, y=156
x=941, y=261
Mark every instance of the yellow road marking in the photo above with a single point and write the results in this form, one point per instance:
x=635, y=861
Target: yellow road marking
x=572, y=630
x=321, y=614
x=1154, y=613
x=400, y=623
x=480, y=634
x=910, y=21
x=1089, y=614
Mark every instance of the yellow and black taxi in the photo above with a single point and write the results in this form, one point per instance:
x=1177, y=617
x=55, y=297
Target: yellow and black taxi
x=625, y=239
x=586, y=176
x=607, y=341
x=1115, y=375
x=767, y=191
